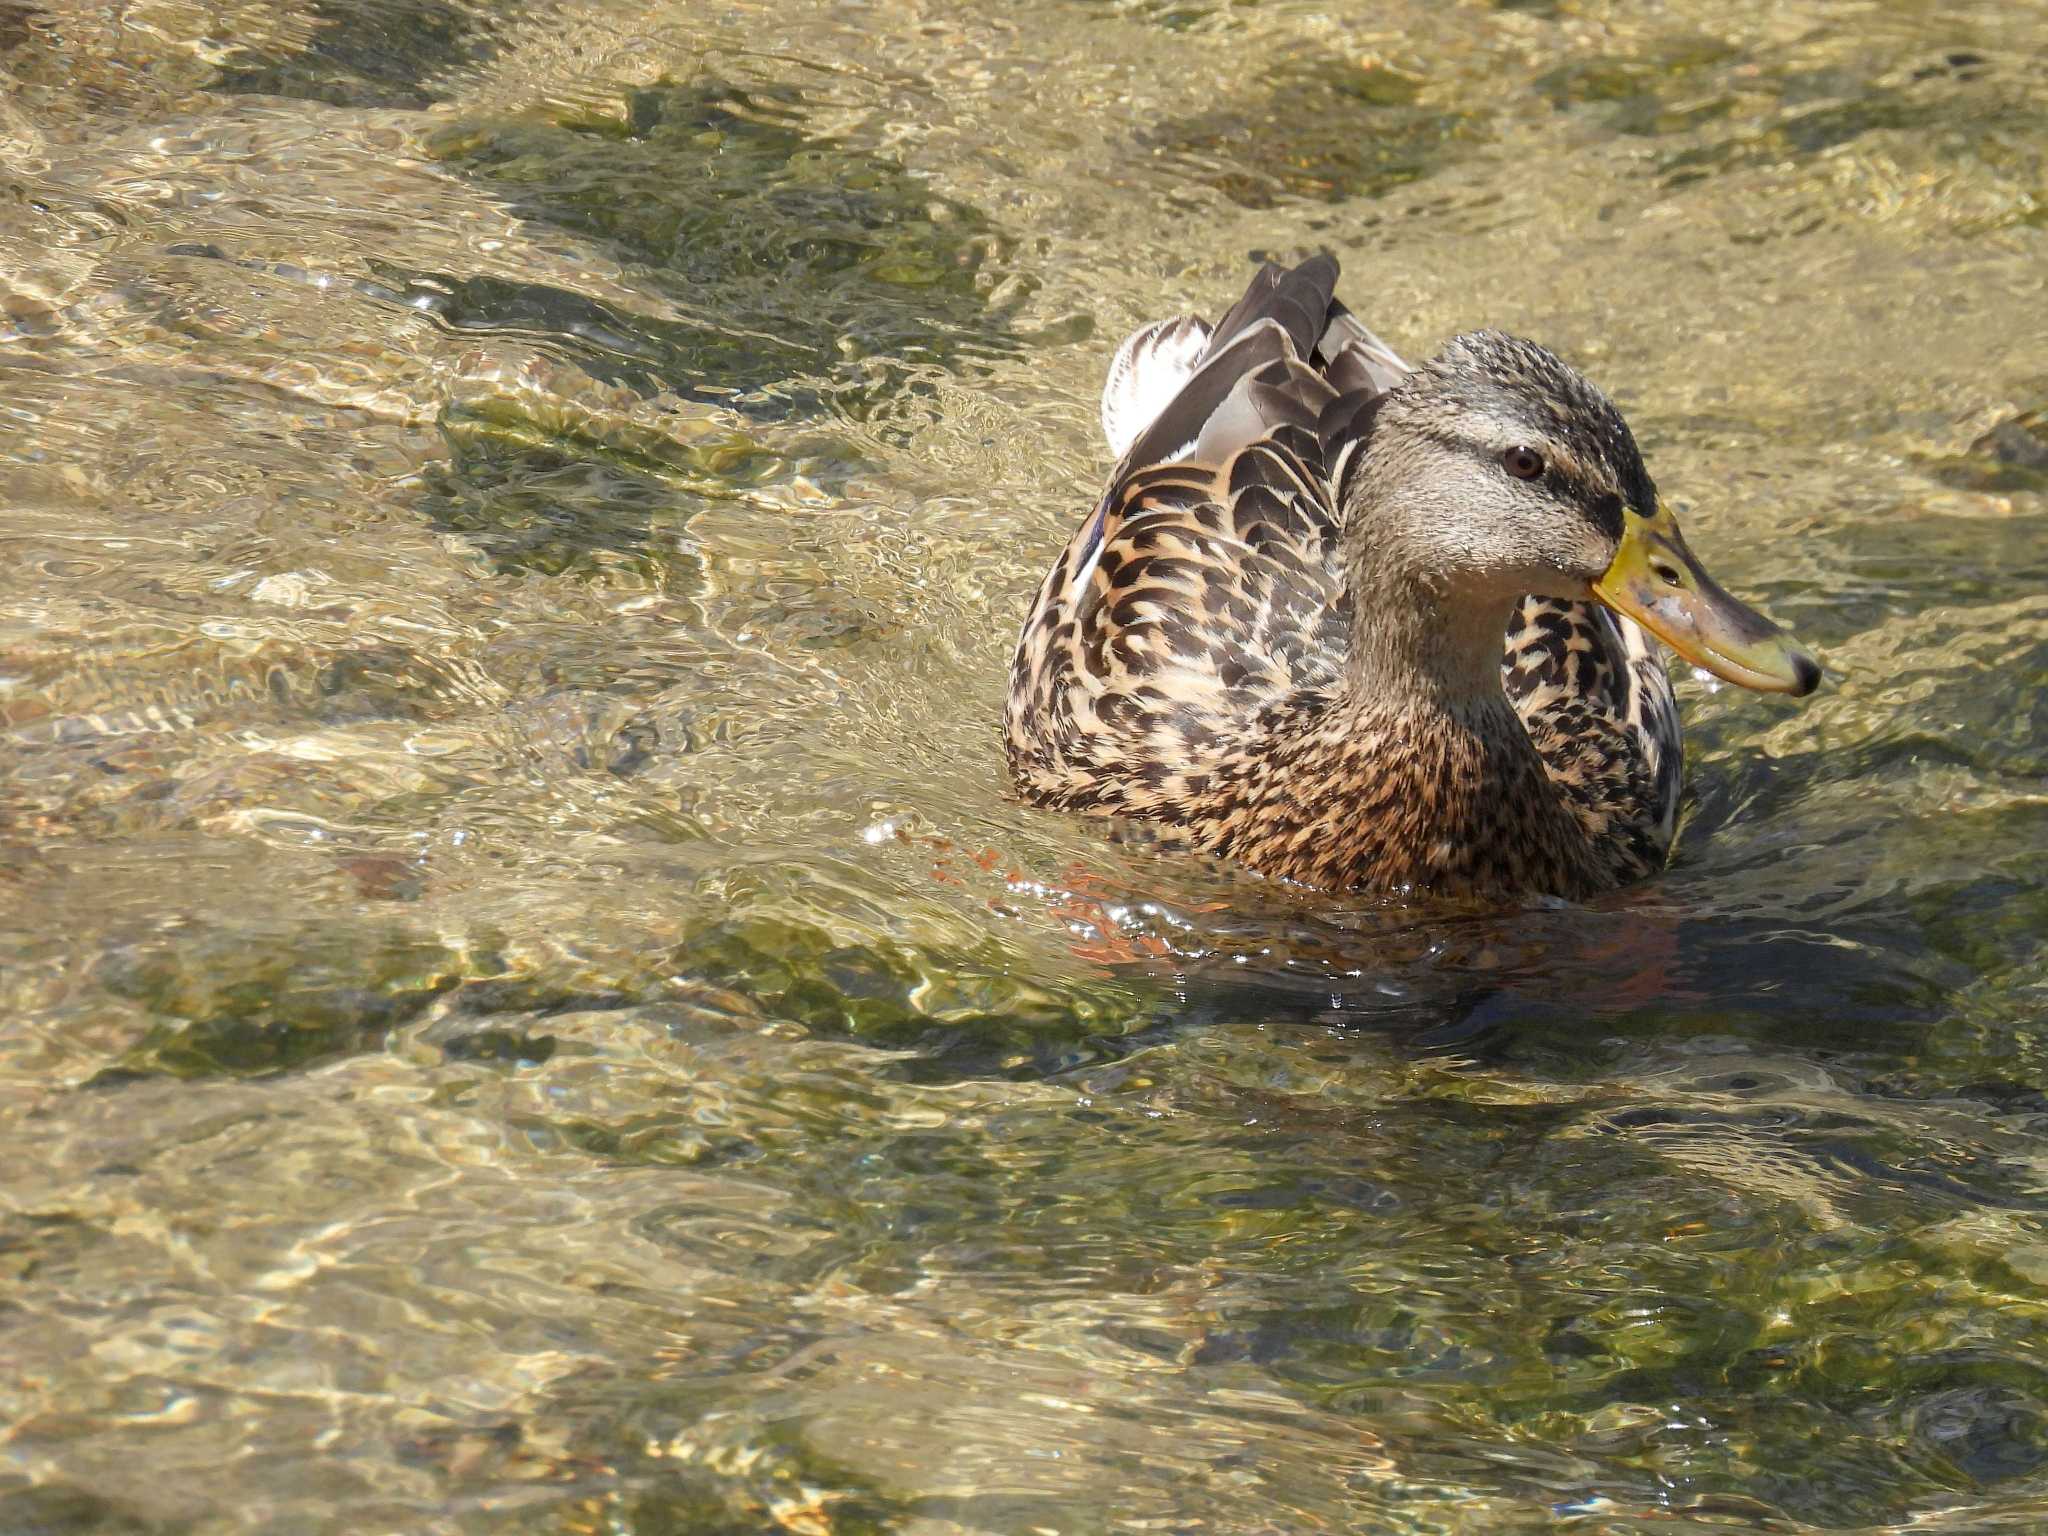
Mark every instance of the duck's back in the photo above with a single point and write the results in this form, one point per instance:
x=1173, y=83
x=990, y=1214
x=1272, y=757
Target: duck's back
x=1200, y=617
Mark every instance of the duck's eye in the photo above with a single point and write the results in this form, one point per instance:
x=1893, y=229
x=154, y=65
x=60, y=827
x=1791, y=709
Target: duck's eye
x=1522, y=463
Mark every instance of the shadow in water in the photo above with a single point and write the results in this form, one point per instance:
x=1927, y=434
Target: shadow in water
x=374, y=53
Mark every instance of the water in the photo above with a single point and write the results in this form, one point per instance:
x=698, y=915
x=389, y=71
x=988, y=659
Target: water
x=526, y=1005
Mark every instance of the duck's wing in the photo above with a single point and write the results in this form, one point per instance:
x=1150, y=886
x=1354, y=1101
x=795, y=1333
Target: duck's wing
x=1203, y=591
x=1156, y=361
x=1146, y=373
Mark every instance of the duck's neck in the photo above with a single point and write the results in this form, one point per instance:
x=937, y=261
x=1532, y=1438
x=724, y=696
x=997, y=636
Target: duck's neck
x=1413, y=649
x=1457, y=797
x=1420, y=640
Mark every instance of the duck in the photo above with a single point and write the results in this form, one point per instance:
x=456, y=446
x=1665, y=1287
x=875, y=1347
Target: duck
x=1366, y=626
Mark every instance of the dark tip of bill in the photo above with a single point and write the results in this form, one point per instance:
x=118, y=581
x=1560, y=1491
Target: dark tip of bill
x=1806, y=675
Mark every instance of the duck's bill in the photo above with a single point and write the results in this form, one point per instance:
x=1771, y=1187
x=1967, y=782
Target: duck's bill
x=1656, y=581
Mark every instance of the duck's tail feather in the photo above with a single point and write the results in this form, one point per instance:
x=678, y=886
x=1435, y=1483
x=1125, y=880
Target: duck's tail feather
x=1354, y=358
x=1148, y=371
x=1287, y=351
x=1187, y=416
x=1298, y=300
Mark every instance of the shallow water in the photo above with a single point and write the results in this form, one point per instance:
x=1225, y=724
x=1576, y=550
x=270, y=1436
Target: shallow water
x=526, y=1006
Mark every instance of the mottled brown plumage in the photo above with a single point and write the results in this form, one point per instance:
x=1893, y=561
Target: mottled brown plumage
x=1279, y=635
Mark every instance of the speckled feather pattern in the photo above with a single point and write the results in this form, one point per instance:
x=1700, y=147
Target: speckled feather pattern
x=1187, y=660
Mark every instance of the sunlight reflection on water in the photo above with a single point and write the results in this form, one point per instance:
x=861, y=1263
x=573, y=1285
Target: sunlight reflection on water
x=530, y=1008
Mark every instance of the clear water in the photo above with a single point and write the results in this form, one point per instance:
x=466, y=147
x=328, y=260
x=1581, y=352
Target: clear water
x=524, y=1005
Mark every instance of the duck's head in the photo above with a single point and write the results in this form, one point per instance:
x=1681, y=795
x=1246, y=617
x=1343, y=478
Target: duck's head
x=1515, y=475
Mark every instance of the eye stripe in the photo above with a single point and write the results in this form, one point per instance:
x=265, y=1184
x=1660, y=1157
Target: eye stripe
x=1606, y=514
x=1602, y=509
x=1564, y=476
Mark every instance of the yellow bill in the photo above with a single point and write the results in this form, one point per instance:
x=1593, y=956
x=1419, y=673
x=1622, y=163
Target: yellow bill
x=1658, y=582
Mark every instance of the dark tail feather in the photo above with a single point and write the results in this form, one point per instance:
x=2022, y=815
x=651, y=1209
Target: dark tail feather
x=1299, y=300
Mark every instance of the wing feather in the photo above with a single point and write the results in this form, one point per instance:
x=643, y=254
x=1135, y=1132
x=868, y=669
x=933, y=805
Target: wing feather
x=1147, y=372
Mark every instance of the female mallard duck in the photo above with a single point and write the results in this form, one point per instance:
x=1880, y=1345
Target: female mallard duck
x=1279, y=634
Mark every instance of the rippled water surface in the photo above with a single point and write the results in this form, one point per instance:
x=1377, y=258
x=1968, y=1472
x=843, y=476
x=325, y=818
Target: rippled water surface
x=524, y=1005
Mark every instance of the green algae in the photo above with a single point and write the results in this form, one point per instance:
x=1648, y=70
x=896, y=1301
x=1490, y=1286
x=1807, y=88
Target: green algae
x=795, y=255
x=1328, y=132
x=1673, y=89
x=238, y=1004
x=51, y=1509
x=372, y=53
x=2011, y=457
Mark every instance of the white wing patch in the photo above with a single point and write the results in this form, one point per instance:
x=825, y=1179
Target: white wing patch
x=1148, y=371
